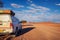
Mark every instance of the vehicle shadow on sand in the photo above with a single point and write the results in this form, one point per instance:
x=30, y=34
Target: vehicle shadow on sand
x=25, y=30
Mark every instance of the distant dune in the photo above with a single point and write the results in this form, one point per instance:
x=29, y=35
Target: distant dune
x=42, y=23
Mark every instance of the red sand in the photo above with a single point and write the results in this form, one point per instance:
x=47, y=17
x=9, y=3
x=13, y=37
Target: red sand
x=40, y=31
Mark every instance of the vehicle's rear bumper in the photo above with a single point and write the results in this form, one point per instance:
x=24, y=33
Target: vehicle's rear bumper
x=6, y=31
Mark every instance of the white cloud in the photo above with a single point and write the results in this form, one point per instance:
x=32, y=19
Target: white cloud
x=54, y=16
x=16, y=5
x=39, y=7
x=23, y=15
x=35, y=9
x=29, y=1
x=58, y=4
x=43, y=8
x=33, y=5
x=37, y=13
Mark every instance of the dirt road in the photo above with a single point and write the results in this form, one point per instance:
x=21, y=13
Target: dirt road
x=37, y=31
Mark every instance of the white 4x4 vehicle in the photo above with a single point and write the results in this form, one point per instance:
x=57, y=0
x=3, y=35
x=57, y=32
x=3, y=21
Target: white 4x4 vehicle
x=8, y=24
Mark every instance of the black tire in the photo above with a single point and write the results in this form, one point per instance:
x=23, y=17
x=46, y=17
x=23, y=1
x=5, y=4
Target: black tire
x=16, y=32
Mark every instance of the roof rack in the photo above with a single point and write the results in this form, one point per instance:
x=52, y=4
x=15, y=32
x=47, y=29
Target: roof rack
x=7, y=12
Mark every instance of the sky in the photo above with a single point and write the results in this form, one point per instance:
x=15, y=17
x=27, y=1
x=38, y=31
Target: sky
x=35, y=10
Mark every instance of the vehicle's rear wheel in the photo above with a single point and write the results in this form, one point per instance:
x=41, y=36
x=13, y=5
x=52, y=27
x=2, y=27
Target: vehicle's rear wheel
x=18, y=31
